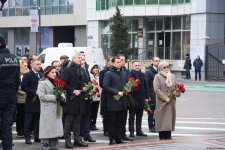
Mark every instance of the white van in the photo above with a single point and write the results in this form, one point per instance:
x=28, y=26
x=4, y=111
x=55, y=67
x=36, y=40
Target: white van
x=93, y=55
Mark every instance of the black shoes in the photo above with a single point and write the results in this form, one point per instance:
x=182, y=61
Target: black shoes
x=120, y=141
x=93, y=128
x=28, y=141
x=106, y=133
x=112, y=142
x=125, y=138
x=152, y=130
x=89, y=139
x=140, y=133
x=80, y=144
x=69, y=145
x=132, y=134
x=37, y=140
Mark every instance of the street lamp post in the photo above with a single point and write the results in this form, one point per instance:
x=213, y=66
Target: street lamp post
x=39, y=26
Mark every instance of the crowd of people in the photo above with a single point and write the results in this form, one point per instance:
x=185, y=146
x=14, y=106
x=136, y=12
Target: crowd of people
x=28, y=93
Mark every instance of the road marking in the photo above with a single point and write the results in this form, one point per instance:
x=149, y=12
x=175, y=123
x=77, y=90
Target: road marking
x=197, y=128
x=197, y=122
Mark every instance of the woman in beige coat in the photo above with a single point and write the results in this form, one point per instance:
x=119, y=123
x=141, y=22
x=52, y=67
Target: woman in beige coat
x=165, y=118
x=50, y=125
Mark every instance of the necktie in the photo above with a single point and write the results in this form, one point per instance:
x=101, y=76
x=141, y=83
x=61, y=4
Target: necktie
x=37, y=75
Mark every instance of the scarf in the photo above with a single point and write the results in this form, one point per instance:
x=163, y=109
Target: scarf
x=168, y=77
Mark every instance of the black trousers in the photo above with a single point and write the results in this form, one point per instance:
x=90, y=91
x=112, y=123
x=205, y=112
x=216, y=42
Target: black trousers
x=20, y=117
x=151, y=120
x=31, y=118
x=138, y=113
x=94, y=112
x=199, y=74
x=115, y=125
x=105, y=121
x=124, y=121
x=7, y=106
x=72, y=121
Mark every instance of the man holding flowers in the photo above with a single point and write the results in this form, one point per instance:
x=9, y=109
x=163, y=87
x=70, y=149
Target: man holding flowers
x=140, y=95
x=113, y=83
x=73, y=76
x=165, y=119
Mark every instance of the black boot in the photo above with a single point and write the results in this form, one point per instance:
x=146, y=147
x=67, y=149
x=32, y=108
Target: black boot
x=68, y=144
x=162, y=135
x=168, y=135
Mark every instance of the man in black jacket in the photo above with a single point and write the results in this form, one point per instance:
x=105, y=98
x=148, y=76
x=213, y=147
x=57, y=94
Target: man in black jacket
x=113, y=82
x=73, y=76
x=9, y=83
x=149, y=76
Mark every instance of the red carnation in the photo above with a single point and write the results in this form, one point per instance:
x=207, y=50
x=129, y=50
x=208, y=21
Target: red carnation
x=99, y=95
x=131, y=79
x=96, y=89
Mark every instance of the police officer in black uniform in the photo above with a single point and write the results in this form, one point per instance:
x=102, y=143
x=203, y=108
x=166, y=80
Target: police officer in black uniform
x=9, y=83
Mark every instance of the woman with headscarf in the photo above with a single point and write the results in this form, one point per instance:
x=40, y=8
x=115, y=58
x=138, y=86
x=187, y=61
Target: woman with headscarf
x=165, y=119
x=50, y=124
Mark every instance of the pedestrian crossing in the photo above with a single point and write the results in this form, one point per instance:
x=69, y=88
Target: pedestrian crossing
x=185, y=127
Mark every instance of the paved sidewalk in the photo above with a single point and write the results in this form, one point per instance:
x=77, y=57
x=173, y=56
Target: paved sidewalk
x=178, y=143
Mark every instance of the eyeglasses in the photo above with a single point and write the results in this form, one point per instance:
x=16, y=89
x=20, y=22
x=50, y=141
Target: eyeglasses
x=165, y=67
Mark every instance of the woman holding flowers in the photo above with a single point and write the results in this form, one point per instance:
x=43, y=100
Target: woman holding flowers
x=94, y=70
x=165, y=118
x=50, y=121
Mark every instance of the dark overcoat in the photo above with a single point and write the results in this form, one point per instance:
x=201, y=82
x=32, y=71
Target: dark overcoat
x=141, y=93
x=149, y=76
x=73, y=76
x=113, y=82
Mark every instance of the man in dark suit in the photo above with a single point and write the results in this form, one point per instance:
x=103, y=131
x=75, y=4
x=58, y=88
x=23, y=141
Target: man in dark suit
x=140, y=95
x=113, y=82
x=150, y=75
x=32, y=105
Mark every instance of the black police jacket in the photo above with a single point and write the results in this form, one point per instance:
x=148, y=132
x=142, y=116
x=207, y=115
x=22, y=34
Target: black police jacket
x=9, y=72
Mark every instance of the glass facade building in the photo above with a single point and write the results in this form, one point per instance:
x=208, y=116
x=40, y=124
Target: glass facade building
x=106, y=4
x=48, y=7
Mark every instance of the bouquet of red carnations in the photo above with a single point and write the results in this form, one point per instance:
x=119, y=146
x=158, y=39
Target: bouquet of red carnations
x=131, y=85
x=175, y=92
x=147, y=108
x=58, y=90
x=92, y=86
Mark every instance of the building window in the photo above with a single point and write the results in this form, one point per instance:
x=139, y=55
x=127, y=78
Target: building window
x=128, y=2
x=139, y=2
x=186, y=22
x=167, y=23
x=176, y=22
x=186, y=43
x=167, y=42
x=102, y=4
x=151, y=2
x=180, y=1
x=164, y=1
x=151, y=24
x=48, y=7
x=176, y=49
x=22, y=36
x=4, y=33
x=159, y=23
